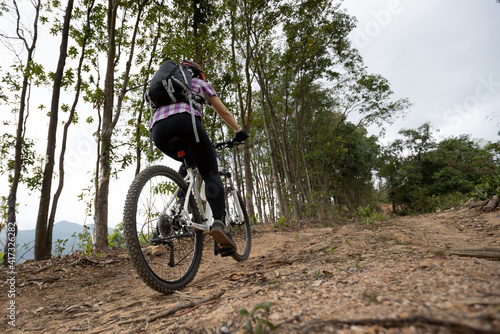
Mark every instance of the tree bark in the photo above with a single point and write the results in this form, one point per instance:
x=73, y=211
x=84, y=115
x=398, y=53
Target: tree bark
x=43, y=237
x=282, y=144
x=491, y=205
x=245, y=108
x=110, y=121
x=58, y=192
x=246, y=116
x=104, y=171
x=274, y=169
x=18, y=155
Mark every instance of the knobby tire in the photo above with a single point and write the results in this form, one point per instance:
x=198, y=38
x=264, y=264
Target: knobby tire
x=241, y=228
x=141, y=214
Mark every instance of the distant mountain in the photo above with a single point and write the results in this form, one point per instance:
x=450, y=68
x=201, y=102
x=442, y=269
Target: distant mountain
x=75, y=233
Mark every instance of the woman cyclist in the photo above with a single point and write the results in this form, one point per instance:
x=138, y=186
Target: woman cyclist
x=175, y=120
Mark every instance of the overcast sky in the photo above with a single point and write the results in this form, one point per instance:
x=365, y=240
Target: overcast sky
x=443, y=55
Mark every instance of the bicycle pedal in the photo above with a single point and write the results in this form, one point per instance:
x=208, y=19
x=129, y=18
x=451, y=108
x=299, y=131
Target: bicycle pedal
x=223, y=251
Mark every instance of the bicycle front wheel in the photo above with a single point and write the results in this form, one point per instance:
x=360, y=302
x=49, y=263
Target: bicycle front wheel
x=237, y=218
x=165, y=253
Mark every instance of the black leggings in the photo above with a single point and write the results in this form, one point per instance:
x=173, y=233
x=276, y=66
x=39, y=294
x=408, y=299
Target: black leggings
x=201, y=155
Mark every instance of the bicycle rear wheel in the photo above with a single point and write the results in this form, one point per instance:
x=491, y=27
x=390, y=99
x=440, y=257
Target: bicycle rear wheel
x=240, y=224
x=165, y=253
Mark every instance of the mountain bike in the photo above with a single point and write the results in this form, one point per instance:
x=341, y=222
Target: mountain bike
x=166, y=217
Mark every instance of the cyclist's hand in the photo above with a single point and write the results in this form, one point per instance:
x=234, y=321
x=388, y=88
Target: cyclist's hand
x=241, y=136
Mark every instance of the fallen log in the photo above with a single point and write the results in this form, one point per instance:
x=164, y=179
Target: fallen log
x=486, y=253
x=491, y=205
x=475, y=204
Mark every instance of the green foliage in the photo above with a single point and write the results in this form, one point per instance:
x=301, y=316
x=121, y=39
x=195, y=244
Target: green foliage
x=31, y=171
x=448, y=201
x=423, y=176
x=281, y=222
x=116, y=239
x=368, y=214
x=84, y=240
x=319, y=206
x=287, y=70
x=3, y=212
x=488, y=188
x=258, y=319
x=60, y=246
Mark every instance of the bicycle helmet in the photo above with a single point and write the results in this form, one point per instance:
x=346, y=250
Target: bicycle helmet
x=195, y=68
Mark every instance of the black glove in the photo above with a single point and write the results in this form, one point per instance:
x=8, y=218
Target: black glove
x=241, y=136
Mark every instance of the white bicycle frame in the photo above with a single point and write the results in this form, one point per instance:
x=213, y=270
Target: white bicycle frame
x=200, y=199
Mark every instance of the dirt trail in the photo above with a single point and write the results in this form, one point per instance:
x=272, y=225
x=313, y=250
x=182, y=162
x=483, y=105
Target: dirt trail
x=395, y=276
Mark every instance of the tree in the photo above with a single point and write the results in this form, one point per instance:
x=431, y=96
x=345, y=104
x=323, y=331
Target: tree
x=458, y=164
x=292, y=77
x=426, y=169
x=43, y=239
x=110, y=116
x=28, y=70
x=82, y=38
x=403, y=168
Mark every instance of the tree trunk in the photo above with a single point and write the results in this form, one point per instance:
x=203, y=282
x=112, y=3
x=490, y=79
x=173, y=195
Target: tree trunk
x=274, y=169
x=102, y=191
x=245, y=109
x=258, y=188
x=18, y=151
x=43, y=237
x=58, y=192
x=284, y=158
x=246, y=117
x=110, y=121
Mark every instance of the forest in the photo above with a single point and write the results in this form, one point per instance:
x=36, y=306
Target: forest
x=286, y=69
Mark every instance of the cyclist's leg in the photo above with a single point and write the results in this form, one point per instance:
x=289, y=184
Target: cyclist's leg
x=203, y=156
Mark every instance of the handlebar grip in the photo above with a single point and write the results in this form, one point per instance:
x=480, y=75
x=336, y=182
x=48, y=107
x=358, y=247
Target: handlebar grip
x=224, y=144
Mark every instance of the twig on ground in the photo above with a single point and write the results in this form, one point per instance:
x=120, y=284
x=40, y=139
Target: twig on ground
x=43, y=268
x=176, y=308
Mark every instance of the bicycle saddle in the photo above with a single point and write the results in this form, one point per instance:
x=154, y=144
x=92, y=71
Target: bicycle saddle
x=177, y=145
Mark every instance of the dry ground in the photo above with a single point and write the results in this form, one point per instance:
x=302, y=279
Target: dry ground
x=394, y=276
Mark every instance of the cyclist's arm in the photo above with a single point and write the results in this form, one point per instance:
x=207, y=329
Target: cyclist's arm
x=225, y=114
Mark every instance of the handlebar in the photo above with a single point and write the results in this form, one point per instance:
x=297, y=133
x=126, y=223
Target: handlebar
x=226, y=144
